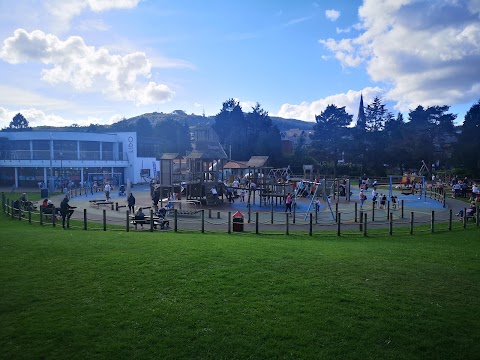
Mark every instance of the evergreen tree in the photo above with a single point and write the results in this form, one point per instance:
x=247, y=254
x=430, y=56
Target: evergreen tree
x=330, y=134
x=19, y=123
x=467, y=149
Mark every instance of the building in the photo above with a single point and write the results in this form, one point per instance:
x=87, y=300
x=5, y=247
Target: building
x=30, y=158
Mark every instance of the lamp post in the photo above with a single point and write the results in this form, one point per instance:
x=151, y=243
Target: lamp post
x=51, y=182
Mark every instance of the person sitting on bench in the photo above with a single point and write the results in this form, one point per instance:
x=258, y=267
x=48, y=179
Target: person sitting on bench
x=139, y=216
x=470, y=211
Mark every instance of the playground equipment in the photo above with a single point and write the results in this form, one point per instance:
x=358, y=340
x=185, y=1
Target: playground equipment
x=410, y=182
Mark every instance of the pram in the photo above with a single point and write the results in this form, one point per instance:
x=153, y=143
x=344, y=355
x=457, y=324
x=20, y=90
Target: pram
x=121, y=190
x=164, y=224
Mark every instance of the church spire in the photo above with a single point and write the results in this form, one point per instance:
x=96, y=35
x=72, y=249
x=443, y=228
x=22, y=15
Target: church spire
x=361, y=120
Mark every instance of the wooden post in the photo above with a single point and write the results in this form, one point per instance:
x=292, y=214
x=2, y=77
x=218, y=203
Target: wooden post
x=175, y=220
x=294, y=211
x=256, y=222
x=464, y=218
x=336, y=211
x=229, y=222
x=310, y=229
x=271, y=219
x=390, y=224
x=365, y=224
x=360, y=226
x=476, y=214
x=432, y=222
x=249, y=215
x=373, y=212
x=29, y=216
x=84, y=219
x=450, y=217
x=209, y=213
x=286, y=229
x=127, y=227
x=151, y=220
x=203, y=221
x=41, y=215
x=388, y=207
x=338, y=223
x=411, y=223
x=402, y=208
x=356, y=209
x=104, y=220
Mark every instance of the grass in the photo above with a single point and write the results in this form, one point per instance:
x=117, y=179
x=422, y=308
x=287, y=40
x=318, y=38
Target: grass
x=86, y=294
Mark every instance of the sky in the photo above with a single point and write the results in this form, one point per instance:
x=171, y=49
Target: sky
x=65, y=62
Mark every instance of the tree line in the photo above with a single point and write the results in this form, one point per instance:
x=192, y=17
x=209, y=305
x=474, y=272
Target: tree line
x=379, y=143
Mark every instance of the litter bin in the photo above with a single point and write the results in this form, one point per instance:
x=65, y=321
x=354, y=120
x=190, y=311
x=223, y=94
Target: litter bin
x=238, y=221
x=44, y=193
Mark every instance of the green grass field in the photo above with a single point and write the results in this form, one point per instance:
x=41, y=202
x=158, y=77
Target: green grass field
x=90, y=294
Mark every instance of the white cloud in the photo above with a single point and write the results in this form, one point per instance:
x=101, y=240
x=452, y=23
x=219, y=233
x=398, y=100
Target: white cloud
x=306, y=111
x=332, y=14
x=85, y=67
x=297, y=21
x=34, y=117
x=93, y=25
x=64, y=11
x=428, y=60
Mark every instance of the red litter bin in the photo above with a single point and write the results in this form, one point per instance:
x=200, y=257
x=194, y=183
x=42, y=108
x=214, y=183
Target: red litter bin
x=238, y=222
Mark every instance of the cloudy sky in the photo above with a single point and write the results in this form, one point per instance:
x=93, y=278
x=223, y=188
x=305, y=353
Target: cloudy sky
x=68, y=62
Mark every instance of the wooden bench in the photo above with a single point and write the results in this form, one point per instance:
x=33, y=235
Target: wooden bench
x=101, y=202
x=144, y=222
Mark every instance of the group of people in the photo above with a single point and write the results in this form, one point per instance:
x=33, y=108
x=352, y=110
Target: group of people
x=65, y=210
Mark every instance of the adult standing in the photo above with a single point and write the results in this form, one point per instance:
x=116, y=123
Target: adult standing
x=107, y=191
x=131, y=203
x=65, y=210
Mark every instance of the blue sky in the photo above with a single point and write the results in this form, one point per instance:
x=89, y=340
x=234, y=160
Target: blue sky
x=97, y=61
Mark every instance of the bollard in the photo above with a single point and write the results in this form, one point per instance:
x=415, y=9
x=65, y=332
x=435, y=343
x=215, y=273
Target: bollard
x=271, y=218
x=360, y=226
x=209, y=213
x=218, y=214
x=175, y=220
x=373, y=212
x=116, y=206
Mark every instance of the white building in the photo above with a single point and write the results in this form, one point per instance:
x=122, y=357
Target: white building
x=28, y=158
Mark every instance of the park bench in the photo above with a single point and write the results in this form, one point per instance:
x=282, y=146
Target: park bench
x=97, y=203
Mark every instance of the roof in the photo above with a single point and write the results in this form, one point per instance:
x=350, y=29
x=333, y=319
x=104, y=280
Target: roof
x=213, y=152
x=257, y=161
x=236, y=165
x=170, y=156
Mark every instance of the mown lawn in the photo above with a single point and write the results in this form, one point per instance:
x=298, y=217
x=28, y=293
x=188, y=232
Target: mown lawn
x=90, y=294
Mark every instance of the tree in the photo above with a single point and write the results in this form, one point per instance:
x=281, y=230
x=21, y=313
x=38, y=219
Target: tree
x=468, y=146
x=19, y=123
x=231, y=128
x=330, y=134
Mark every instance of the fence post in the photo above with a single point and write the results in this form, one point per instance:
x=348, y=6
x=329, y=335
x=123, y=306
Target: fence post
x=310, y=230
x=356, y=208
x=476, y=214
x=229, y=227
x=432, y=226
x=54, y=219
x=151, y=220
x=336, y=211
x=127, y=227
x=256, y=222
x=41, y=215
x=360, y=226
x=203, y=219
x=373, y=212
x=450, y=217
x=104, y=220
x=209, y=213
x=294, y=212
x=338, y=223
x=286, y=229
x=271, y=219
x=249, y=218
x=402, y=208
x=316, y=215
x=365, y=224
x=175, y=220
x=464, y=218
x=411, y=223
x=388, y=207
x=390, y=224
x=84, y=219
